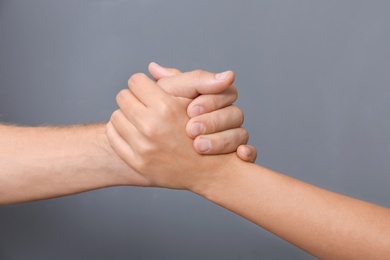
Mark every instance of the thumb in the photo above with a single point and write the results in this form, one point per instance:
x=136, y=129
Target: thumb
x=198, y=82
x=158, y=72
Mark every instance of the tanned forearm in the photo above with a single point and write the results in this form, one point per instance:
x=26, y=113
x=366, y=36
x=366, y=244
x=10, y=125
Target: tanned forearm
x=323, y=223
x=46, y=162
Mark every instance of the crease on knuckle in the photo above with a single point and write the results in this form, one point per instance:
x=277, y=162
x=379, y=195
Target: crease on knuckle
x=212, y=104
x=198, y=74
x=226, y=145
x=213, y=125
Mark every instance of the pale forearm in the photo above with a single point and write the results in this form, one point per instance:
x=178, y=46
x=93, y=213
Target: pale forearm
x=45, y=162
x=323, y=223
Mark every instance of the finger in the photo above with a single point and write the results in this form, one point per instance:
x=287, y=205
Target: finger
x=220, y=120
x=130, y=106
x=192, y=84
x=158, y=72
x=208, y=103
x=118, y=144
x=247, y=153
x=221, y=143
x=146, y=90
x=123, y=127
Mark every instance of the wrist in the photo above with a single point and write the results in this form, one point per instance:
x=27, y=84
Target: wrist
x=116, y=169
x=221, y=169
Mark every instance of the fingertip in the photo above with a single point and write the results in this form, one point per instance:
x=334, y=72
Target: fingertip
x=202, y=145
x=222, y=82
x=247, y=153
x=244, y=153
x=154, y=65
x=196, y=110
x=224, y=75
x=156, y=71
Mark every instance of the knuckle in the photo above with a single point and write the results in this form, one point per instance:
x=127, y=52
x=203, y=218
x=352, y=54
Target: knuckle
x=198, y=74
x=214, y=103
x=226, y=144
x=164, y=109
x=213, y=124
x=239, y=114
x=139, y=163
x=116, y=117
x=222, y=145
x=144, y=150
x=175, y=71
x=153, y=132
x=135, y=79
x=145, y=154
x=211, y=102
x=148, y=130
x=234, y=93
x=244, y=135
x=121, y=95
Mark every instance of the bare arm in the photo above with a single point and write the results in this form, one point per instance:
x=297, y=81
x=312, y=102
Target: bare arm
x=323, y=223
x=45, y=162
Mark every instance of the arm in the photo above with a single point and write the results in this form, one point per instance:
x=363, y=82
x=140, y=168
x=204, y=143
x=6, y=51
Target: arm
x=323, y=223
x=46, y=162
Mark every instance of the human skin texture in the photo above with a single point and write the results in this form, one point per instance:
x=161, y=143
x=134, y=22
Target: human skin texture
x=148, y=133
x=45, y=162
x=214, y=122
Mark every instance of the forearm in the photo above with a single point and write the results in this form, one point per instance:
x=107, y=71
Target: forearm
x=323, y=223
x=45, y=162
x=148, y=133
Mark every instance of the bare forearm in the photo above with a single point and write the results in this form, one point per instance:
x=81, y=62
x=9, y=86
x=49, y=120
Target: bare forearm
x=45, y=162
x=323, y=223
x=147, y=132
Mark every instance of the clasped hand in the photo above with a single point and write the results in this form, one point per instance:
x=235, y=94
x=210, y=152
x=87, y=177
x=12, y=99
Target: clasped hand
x=154, y=128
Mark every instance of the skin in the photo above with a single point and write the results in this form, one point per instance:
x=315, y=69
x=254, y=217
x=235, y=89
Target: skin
x=46, y=162
x=148, y=133
x=211, y=109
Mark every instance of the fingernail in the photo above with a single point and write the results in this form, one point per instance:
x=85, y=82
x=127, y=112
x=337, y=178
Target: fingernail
x=157, y=65
x=204, y=145
x=222, y=75
x=196, y=111
x=247, y=152
x=197, y=129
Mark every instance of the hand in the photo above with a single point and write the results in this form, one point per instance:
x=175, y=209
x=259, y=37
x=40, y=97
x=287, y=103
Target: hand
x=148, y=133
x=215, y=123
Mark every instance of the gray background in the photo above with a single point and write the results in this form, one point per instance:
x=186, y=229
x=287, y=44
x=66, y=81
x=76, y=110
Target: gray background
x=313, y=78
